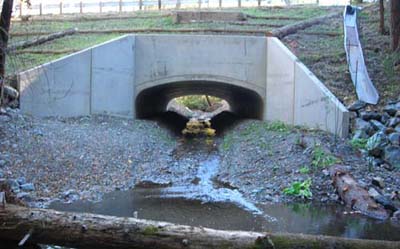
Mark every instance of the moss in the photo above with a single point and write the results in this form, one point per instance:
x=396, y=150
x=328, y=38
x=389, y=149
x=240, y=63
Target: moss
x=150, y=230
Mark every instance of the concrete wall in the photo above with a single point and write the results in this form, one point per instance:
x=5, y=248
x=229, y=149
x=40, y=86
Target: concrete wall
x=107, y=78
x=296, y=96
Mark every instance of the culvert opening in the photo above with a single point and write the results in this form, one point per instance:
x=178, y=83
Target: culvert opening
x=175, y=104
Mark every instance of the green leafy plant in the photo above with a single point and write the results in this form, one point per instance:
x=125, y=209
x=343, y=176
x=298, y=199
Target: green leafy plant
x=322, y=159
x=300, y=189
x=277, y=126
x=359, y=143
x=304, y=170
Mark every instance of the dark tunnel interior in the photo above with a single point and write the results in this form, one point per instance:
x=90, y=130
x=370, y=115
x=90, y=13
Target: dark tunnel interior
x=152, y=103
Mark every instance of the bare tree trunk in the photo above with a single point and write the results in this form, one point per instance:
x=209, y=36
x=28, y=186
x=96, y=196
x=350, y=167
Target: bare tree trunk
x=4, y=30
x=381, y=17
x=395, y=23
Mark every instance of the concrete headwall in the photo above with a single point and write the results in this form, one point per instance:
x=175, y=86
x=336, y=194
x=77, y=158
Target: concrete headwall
x=107, y=79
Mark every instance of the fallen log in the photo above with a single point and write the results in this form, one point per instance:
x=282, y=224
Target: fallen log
x=293, y=28
x=83, y=230
x=41, y=40
x=275, y=17
x=35, y=51
x=354, y=196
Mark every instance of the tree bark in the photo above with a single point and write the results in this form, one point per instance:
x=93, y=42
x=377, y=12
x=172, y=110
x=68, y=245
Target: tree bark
x=395, y=23
x=293, y=28
x=354, y=196
x=5, y=22
x=381, y=17
x=85, y=230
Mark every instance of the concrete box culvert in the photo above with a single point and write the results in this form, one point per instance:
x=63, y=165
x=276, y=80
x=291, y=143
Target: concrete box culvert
x=136, y=75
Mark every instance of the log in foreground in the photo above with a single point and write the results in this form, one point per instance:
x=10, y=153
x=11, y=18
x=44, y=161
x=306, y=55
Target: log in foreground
x=83, y=230
x=354, y=196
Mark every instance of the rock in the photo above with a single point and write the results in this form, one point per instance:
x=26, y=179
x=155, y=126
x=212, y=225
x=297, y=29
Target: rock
x=363, y=125
x=4, y=118
x=357, y=105
x=2, y=163
x=373, y=193
x=27, y=187
x=376, y=144
x=377, y=125
x=387, y=166
x=392, y=156
x=360, y=134
x=10, y=92
x=21, y=180
x=394, y=138
x=391, y=109
x=378, y=181
x=367, y=116
x=393, y=122
x=24, y=196
x=14, y=186
x=385, y=118
x=386, y=202
x=396, y=215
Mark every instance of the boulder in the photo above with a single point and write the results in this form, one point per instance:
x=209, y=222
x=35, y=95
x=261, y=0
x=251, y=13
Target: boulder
x=391, y=109
x=357, y=105
x=377, y=125
x=394, y=138
x=368, y=115
x=376, y=144
x=27, y=187
x=392, y=155
x=378, y=181
x=393, y=122
x=363, y=125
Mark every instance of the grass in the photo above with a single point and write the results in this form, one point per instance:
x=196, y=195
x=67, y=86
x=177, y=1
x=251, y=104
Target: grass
x=359, y=143
x=24, y=61
x=322, y=159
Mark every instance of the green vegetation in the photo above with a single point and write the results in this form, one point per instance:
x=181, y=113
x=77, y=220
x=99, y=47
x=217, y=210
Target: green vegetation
x=277, y=126
x=300, y=189
x=304, y=170
x=228, y=141
x=150, y=230
x=322, y=159
x=197, y=102
x=359, y=143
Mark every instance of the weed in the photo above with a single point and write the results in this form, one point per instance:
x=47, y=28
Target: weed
x=228, y=141
x=300, y=189
x=304, y=170
x=321, y=159
x=277, y=126
x=359, y=143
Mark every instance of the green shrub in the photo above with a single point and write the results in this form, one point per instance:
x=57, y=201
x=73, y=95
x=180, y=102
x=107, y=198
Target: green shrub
x=359, y=143
x=304, y=170
x=300, y=189
x=196, y=102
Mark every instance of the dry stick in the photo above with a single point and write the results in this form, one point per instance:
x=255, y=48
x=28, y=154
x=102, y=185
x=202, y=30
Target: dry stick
x=293, y=28
x=41, y=40
x=86, y=230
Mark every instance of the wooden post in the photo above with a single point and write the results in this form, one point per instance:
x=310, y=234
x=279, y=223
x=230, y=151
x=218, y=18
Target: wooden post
x=239, y=3
x=20, y=8
x=61, y=8
x=159, y=4
x=81, y=7
x=220, y=3
x=259, y=3
x=120, y=6
x=101, y=6
x=40, y=9
x=140, y=4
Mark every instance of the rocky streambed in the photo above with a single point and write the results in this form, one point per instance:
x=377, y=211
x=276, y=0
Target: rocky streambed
x=73, y=160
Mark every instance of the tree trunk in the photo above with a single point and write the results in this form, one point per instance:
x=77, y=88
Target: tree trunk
x=85, y=230
x=5, y=21
x=381, y=17
x=395, y=23
x=354, y=196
